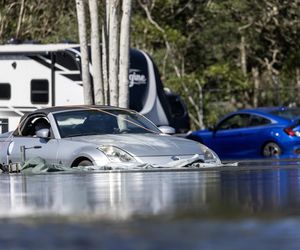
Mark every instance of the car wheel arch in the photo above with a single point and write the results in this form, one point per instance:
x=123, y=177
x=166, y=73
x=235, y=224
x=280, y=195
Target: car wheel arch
x=89, y=152
x=79, y=159
x=270, y=142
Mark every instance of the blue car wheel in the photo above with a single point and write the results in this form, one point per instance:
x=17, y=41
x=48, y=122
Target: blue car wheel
x=271, y=149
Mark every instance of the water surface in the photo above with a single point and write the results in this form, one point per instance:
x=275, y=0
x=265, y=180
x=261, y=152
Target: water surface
x=223, y=208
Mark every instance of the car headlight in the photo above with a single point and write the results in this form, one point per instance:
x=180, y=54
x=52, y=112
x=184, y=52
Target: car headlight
x=209, y=155
x=115, y=154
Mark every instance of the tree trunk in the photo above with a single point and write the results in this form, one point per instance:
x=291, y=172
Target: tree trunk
x=243, y=56
x=297, y=82
x=86, y=81
x=95, y=53
x=105, y=57
x=124, y=54
x=201, y=106
x=105, y=52
x=113, y=52
x=256, y=85
x=298, y=78
x=21, y=14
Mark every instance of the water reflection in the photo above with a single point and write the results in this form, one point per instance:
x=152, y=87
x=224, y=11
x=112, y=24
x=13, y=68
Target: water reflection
x=176, y=193
x=275, y=190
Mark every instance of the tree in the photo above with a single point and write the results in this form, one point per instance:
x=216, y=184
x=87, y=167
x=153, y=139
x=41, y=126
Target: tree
x=175, y=45
x=116, y=34
x=40, y=21
x=234, y=51
x=224, y=54
x=113, y=50
x=86, y=81
x=124, y=54
x=110, y=77
x=96, y=54
x=22, y=7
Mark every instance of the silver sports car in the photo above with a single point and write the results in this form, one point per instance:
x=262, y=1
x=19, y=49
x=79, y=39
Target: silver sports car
x=95, y=135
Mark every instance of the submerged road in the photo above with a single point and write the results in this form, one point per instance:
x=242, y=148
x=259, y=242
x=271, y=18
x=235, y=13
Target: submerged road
x=189, y=208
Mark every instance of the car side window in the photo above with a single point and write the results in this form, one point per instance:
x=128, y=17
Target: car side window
x=235, y=121
x=256, y=120
x=33, y=124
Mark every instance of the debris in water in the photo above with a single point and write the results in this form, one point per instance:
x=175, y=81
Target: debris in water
x=39, y=165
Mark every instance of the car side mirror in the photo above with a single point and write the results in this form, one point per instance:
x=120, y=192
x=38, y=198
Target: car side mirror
x=213, y=128
x=43, y=133
x=167, y=130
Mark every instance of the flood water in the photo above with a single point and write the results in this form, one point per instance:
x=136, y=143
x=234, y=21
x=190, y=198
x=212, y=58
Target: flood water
x=255, y=206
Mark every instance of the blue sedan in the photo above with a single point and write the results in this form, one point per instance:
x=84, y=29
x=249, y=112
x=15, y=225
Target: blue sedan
x=254, y=133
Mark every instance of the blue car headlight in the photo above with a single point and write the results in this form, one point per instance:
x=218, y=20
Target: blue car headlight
x=209, y=155
x=115, y=154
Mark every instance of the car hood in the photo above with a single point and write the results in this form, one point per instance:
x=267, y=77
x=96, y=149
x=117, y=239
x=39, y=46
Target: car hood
x=145, y=144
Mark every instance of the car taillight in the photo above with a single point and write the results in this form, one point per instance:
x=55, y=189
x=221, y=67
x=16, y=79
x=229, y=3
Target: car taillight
x=290, y=131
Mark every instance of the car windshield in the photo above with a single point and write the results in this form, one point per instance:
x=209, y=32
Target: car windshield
x=291, y=113
x=102, y=121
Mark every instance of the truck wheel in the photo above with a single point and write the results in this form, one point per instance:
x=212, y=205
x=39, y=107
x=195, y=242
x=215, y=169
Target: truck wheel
x=271, y=149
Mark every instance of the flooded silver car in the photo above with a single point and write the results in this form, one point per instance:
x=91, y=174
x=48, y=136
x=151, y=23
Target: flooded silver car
x=96, y=136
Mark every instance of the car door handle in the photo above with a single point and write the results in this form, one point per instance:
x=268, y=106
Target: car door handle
x=33, y=147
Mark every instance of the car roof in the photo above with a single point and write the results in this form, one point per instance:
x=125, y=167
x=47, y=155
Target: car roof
x=264, y=109
x=56, y=109
x=74, y=107
x=268, y=112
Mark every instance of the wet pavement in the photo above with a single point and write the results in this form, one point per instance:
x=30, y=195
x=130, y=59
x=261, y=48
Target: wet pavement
x=254, y=205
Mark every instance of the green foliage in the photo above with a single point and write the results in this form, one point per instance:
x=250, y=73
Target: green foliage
x=210, y=51
x=145, y=35
x=197, y=42
x=42, y=21
x=225, y=90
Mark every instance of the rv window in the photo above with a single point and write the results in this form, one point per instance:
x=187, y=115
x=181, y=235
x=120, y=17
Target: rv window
x=3, y=125
x=39, y=91
x=5, y=91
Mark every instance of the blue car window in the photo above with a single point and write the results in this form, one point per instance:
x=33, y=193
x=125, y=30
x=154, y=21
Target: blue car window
x=235, y=121
x=256, y=120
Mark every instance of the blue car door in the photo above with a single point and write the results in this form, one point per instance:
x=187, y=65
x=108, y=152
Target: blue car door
x=239, y=136
x=231, y=137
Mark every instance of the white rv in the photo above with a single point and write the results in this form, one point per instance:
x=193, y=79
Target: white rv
x=34, y=76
